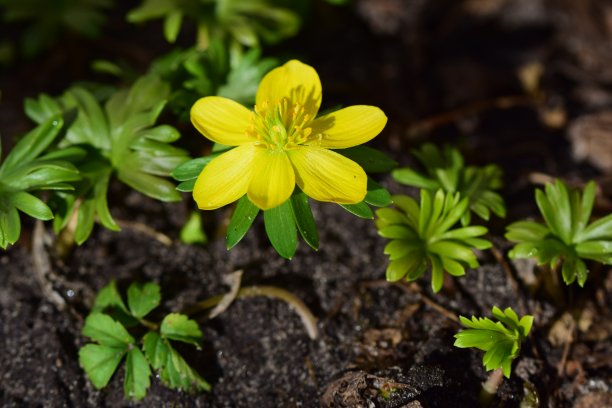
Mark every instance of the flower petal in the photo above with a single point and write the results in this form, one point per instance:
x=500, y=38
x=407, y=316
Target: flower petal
x=296, y=81
x=273, y=179
x=225, y=179
x=221, y=120
x=328, y=176
x=348, y=127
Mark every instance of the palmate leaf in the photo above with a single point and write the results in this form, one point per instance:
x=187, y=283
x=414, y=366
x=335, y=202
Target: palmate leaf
x=445, y=169
x=566, y=237
x=423, y=236
x=119, y=139
x=27, y=169
x=501, y=340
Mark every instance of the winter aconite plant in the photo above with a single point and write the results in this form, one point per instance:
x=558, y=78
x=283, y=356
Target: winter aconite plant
x=263, y=154
x=424, y=236
x=27, y=169
x=117, y=139
x=567, y=238
x=112, y=326
x=445, y=169
x=245, y=22
x=501, y=340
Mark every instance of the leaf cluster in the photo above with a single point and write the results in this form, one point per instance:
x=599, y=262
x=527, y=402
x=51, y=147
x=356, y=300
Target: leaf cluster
x=119, y=139
x=111, y=324
x=501, y=340
x=445, y=169
x=30, y=167
x=194, y=73
x=244, y=22
x=424, y=236
x=43, y=21
x=566, y=238
x=294, y=216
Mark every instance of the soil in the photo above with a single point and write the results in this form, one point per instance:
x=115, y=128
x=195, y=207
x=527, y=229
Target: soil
x=443, y=71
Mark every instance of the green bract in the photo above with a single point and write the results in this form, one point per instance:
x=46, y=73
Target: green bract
x=501, y=340
x=246, y=22
x=193, y=74
x=294, y=216
x=566, y=237
x=118, y=138
x=445, y=169
x=108, y=326
x=423, y=235
x=27, y=169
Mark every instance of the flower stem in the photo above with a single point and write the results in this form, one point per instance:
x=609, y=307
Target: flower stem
x=489, y=387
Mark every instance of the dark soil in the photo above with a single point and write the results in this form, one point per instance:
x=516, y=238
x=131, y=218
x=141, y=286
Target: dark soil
x=443, y=71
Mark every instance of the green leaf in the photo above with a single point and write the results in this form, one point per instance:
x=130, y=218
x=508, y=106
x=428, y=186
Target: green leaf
x=281, y=229
x=155, y=349
x=192, y=232
x=107, y=297
x=377, y=195
x=142, y=298
x=179, y=327
x=177, y=374
x=304, y=219
x=31, y=205
x=100, y=362
x=371, y=160
x=152, y=186
x=106, y=331
x=191, y=169
x=410, y=177
x=241, y=221
x=137, y=373
x=172, y=25
x=362, y=210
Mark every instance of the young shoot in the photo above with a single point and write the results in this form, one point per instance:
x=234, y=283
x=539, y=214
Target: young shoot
x=423, y=237
x=567, y=238
x=111, y=326
x=445, y=169
x=501, y=339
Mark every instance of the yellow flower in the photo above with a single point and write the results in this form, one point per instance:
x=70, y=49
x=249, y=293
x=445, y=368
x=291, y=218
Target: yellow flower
x=282, y=143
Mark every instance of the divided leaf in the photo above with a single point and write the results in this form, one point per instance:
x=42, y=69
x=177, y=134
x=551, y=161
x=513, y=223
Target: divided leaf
x=501, y=340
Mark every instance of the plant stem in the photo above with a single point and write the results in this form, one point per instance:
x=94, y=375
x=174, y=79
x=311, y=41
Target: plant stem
x=489, y=387
x=308, y=319
x=149, y=324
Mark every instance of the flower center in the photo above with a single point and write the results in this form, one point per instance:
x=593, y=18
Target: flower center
x=283, y=126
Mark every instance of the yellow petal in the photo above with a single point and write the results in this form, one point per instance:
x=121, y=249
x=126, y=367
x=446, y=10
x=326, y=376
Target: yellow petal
x=225, y=179
x=296, y=81
x=221, y=120
x=348, y=127
x=328, y=176
x=273, y=179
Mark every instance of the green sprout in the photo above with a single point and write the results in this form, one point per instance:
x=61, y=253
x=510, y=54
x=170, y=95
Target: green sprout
x=29, y=168
x=244, y=22
x=446, y=169
x=501, y=340
x=45, y=20
x=119, y=139
x=423, y=236
x=111, y=325
x=566, y=238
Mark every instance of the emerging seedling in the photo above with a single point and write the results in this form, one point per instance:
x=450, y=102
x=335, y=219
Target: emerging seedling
x=423, y=236
x=28, y=169
x=501, y=340
x=111, y=326
x=446, y=169
x=566, y=238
